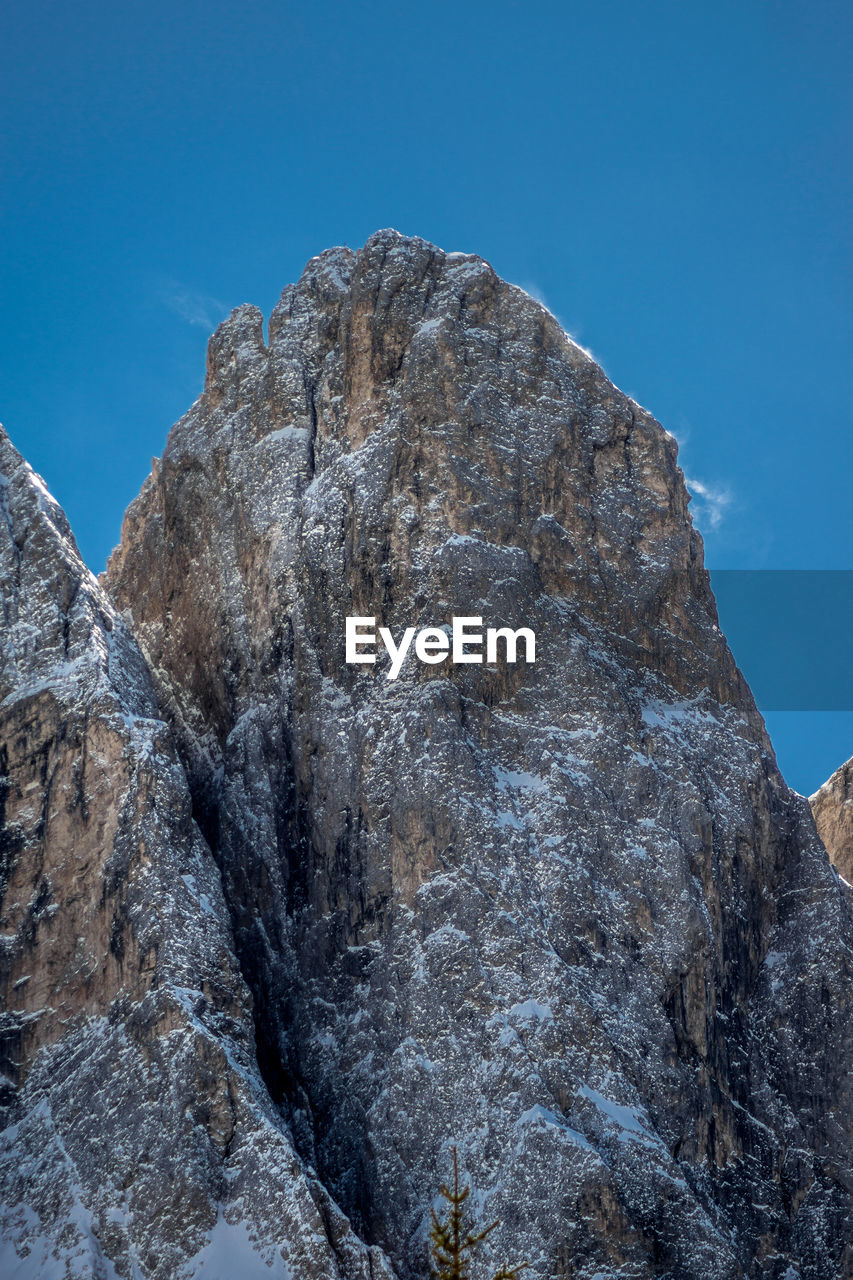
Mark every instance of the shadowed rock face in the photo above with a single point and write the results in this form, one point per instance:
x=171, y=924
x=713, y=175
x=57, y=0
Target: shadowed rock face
x=566, y=915
x=832, y=807
x=132, y=1108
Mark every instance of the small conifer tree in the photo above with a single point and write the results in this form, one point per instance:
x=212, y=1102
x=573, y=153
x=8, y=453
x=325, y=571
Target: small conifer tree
x=454, y=1239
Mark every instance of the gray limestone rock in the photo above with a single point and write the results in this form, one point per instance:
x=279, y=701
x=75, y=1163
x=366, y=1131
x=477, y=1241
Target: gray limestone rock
x=564, y=915
x=138, y=1137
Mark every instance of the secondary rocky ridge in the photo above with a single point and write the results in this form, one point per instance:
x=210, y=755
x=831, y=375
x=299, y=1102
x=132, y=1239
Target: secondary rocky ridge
x=832, y=806
x=138, y=1138
x=566, y=916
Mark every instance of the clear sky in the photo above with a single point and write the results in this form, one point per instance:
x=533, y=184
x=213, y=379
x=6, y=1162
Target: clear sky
x=673, y=179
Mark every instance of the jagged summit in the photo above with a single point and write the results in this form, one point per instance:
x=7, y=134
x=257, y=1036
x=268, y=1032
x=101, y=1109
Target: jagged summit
x=332, y=270
x=563, y=915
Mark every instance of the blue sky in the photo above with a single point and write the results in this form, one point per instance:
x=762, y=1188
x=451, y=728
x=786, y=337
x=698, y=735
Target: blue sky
x=673, y=179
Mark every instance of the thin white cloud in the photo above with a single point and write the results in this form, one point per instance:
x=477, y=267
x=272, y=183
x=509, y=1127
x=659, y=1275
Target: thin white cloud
x=536, y=293
x=196, y=308
x=573, y=331
x=709, y=504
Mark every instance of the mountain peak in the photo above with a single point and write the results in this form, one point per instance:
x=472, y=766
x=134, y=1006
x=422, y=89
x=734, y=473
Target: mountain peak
x=554, y=906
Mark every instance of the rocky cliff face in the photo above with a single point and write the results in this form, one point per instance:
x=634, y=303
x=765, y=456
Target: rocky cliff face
x=138, y=1135
x=832, y=807
x=563, y=915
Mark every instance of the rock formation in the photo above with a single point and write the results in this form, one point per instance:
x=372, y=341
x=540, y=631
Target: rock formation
x=832, y=807
x=138, y=1133
x=564, y=915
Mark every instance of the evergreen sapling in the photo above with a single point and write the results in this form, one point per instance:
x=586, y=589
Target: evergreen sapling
x=454, y=1239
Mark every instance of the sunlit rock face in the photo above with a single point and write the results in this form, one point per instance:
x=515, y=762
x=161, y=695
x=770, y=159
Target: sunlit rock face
x=832, y=807
x=138, y=1137
x=562, y=915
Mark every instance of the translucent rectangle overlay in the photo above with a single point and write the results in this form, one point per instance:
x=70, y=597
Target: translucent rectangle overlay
x=790, y=632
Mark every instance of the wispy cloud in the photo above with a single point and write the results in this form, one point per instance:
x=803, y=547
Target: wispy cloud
x=536, y=293
x=709, y=504
x=195, y=307
x=574, y=331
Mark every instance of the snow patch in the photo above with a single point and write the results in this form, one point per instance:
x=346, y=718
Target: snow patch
x=539, y=1115
x=507, y=778
x=231, y=1252
x=627, y=1119
x=529, y=1009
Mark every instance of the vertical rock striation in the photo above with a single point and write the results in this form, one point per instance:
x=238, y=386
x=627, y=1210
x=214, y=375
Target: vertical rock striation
x=832, y=807
x=138, y=1138
x=566, y=915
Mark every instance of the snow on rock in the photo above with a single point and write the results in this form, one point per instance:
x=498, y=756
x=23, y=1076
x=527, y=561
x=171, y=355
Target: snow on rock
x=565, y=916
x=135, y=1121
x=417, y=869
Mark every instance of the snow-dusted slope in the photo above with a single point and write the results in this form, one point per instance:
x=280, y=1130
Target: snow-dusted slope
x=138, y=1138
x=566, y=916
